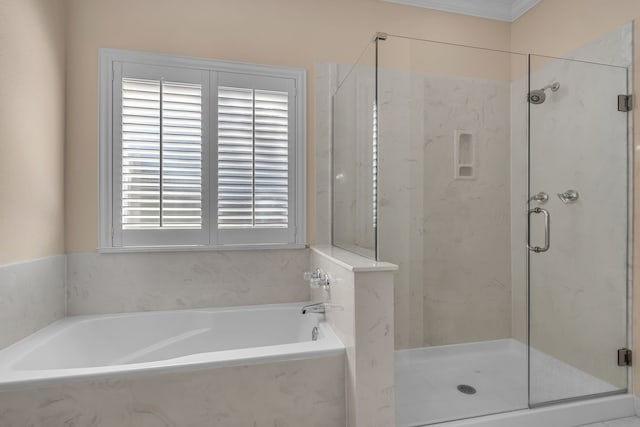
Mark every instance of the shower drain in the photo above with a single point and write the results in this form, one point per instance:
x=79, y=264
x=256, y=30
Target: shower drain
x=466, y=389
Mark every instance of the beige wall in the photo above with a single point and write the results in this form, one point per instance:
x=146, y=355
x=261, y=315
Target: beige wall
x=32, y=59
x=557, y=27
x=295, y=33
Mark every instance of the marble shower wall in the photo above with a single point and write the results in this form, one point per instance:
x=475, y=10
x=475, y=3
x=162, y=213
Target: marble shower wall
x=578, y=141
x=293, y=393
x=129, y=282
x=33, y=296
x=467, y=227
x=361, y=314
x=401, y=217
x=450, y=237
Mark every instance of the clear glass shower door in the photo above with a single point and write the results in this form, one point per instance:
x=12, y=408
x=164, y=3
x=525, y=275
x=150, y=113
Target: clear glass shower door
x=578, y=212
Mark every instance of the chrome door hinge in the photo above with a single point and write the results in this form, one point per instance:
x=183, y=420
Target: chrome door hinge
x=625, y=103
x=625, y=357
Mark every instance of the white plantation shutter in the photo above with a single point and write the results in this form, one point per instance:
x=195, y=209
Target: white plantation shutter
x=271, y=164
x=161, y=171
x=161, y=155
x=254, y=153
x=235, y=157
x=181, y=156
x=253, y=157
x=140, y=154
x=200, y=153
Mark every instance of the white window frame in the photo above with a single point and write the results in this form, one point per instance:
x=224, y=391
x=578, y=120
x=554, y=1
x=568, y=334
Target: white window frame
x=109, y=227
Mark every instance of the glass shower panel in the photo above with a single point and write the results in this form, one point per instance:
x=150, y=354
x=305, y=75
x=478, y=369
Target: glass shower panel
x=452, y=179
x=354, y=156
x=579, y=212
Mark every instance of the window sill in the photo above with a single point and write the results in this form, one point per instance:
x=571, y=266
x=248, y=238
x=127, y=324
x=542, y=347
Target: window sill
x=146, y=249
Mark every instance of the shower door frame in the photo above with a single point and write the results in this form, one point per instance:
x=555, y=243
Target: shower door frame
x=630, y=163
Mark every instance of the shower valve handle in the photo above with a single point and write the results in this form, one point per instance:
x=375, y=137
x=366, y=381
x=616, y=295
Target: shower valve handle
x=541, y=198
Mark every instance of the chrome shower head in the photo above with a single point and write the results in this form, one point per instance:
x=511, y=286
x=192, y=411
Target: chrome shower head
x=538, y=96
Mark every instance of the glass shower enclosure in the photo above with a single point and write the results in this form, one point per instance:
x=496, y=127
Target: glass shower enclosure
x=499, y=183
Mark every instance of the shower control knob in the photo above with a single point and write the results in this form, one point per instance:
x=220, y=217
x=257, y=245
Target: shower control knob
x=541, y=198
x=317, y=279
x=310, y=276
x=569, y=196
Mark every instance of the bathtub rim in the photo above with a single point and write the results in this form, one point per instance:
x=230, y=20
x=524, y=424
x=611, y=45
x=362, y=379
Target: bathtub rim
x=328, y=346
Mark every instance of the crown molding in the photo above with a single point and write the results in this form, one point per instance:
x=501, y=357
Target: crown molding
x=520, y=7
x=501, y=10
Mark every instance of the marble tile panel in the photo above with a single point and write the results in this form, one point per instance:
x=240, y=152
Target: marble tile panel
x=375, y=380
x=363, y=321
x=288, y=394
x=33, y=296
x=114, y=283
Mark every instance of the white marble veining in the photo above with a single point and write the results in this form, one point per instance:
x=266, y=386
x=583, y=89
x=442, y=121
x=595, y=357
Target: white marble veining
x=292, y=393
x=439, y=229
x=342, y=320
x=33, y=296
x=466, y=250
x=401, y=198
x=363, y=320
x=374, y=345
x=115, y=283
x=578, y=142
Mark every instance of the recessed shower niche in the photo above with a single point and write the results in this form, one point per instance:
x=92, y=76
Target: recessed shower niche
x=465, y=167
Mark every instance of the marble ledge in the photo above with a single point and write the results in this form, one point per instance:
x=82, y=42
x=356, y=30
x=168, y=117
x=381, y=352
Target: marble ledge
x=351, y=261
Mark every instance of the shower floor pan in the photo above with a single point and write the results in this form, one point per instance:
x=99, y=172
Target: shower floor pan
x=456, y=382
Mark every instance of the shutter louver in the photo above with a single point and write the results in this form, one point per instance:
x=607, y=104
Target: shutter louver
x=161, y=155
x=253, y=159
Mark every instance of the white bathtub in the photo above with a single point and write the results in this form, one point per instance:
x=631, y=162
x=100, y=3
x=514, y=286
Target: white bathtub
x=83, y=347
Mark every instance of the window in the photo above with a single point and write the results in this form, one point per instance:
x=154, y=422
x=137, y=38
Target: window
x=200, y=154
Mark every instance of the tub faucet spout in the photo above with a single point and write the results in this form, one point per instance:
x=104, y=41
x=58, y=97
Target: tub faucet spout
x=319, y=307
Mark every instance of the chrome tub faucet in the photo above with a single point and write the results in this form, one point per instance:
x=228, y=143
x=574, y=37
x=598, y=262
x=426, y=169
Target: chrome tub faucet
x=319, y=307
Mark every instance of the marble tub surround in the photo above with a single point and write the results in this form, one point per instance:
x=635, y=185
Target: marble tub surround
x=130, y=282
x=33, y=296
x=363, y=289
x=292, y=393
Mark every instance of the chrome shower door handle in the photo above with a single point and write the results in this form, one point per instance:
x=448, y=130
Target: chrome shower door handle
x=547, y=230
